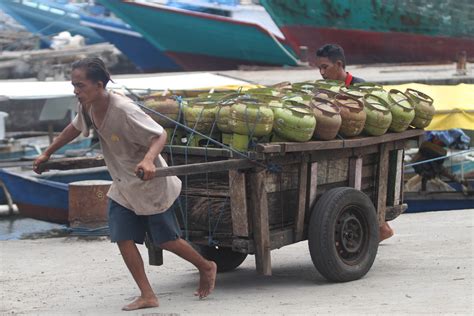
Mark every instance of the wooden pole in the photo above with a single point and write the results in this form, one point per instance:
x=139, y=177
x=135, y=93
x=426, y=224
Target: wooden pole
x=260, y=225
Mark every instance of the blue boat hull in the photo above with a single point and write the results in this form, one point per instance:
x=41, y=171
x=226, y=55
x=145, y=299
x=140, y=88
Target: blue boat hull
x=429, y=205
x=143, y=54
x=46, y=199
x=440, y=201
x=48, y=23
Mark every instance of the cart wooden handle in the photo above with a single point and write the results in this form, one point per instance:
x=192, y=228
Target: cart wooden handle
x=205, y=167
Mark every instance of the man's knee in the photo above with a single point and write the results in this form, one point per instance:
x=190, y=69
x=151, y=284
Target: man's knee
x=126, y=244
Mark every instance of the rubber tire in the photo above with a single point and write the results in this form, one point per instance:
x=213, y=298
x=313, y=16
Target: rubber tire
x=225, y=259
x=322, y=234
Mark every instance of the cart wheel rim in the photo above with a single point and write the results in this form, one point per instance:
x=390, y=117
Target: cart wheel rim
x=351, y=235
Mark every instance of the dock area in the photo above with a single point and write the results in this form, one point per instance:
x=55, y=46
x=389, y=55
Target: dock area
x=440, y=74
x=426, y=268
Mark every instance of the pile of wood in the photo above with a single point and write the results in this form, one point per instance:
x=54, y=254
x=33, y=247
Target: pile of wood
x=44, y=63
x=18, y=40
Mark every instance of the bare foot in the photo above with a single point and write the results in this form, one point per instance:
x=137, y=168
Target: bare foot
x=385, y=232
x=207, y=280
x=142, y=302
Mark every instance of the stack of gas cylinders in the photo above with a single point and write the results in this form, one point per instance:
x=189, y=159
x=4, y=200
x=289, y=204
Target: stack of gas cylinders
x=298, y=112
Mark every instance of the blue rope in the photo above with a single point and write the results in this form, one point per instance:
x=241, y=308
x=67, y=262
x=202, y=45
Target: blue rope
x=200, y=134
x=438, y=158
x=271, y=167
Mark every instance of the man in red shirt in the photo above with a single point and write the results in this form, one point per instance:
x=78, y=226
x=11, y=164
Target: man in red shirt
x=331, y=61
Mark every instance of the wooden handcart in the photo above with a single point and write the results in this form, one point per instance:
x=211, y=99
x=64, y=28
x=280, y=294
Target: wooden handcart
x=334, y=194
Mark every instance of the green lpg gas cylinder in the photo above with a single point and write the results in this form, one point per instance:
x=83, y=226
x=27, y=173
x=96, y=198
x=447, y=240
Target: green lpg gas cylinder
x=333, y=85
x=424, y=109
x=294, y=122
x=403, y=111
x=379, y=116
x=251, y=117
x=200, y=114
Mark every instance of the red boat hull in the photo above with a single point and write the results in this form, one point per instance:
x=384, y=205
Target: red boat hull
x=362, y=47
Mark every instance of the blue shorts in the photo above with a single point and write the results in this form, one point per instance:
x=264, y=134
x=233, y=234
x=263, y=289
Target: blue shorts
x=124, y=224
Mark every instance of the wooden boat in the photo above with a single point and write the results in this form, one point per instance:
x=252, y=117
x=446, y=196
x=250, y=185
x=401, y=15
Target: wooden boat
x=378, y=30
x=131, y=43
x=439, y=195
x=15, y=147
x=455, y=199
x=45, y=197
x=48, y=18
x=201, y=41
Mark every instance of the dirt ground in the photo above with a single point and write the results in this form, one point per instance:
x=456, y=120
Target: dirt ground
x=426, y=268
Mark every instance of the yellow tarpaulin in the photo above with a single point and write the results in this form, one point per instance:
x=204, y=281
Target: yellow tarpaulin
x=454, y=104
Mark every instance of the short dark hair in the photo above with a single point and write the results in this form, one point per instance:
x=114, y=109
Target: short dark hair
x=95, y=69
x=333, y=52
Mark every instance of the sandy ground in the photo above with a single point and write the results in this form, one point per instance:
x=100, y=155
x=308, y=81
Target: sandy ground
x=427, y=267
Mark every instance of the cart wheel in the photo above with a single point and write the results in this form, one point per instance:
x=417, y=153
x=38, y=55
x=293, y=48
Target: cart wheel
x=225, y=258
x=343, y=234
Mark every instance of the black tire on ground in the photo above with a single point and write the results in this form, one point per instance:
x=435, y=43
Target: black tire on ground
x=225, y=258
x=343, y=234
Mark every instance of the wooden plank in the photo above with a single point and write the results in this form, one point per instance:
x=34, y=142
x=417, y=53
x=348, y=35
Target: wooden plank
x=260, y=223
x=72, y=163
x=388, y=137
x=382, y=178
x=302, y=193
x=313, y=189
x=287, y=179
x=238, y=204
x=314, y=145
x=335, y=144
x=355, y=172
x=198, y=151
x=279, y=238
x=268, y=148
x=332, y=154
x=205, y=167
x=395, y=177
x=155, y=253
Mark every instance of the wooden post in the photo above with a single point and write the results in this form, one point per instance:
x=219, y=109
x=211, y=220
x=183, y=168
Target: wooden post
x=155, y=253
x=238, y=204
x=355, y=172
x=313, y=185
x=302, y=193
x=260, y=225
x=382, y=182
x=8, y=197
x=50, y=132
x=395, y=178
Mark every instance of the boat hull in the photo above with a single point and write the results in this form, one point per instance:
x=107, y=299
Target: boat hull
x=43, y=199
x=437, y=201
x=48, y=23
x=377, y=30
x=141, y=52
x=379, y=47
x=199, y=41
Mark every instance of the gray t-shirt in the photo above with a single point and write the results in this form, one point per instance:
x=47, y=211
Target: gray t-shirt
x=125, y=136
